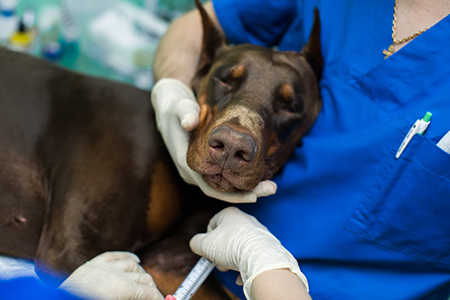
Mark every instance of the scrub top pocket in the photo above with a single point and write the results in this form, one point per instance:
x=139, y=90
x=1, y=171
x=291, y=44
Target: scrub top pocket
x=408, y=207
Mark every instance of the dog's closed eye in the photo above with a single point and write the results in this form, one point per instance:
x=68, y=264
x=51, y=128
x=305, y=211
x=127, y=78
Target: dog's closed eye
x=230, y=77
x=225, y=81
x=286, y=100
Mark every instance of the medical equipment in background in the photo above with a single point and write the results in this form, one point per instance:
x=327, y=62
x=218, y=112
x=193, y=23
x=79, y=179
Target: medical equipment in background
x=115, y=39
x=8, y=19
x=124, y=38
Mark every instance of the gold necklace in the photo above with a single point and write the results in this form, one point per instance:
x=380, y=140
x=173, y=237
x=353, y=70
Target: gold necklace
x=391, y=48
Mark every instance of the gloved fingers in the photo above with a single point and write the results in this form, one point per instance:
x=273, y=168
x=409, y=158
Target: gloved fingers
x=146, y=293
x=143, y=278
x=187, y=111
x=222, y=269
x=231, y=197
x=226, y=215
x=265, y=188
x=167, y=90
x=127, y=265
x=196, y=243
x=231, y=215
x=144, y=287
x=115, y=255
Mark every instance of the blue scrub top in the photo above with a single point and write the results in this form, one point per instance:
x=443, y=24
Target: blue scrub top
x=30, y=288
x=362, y=224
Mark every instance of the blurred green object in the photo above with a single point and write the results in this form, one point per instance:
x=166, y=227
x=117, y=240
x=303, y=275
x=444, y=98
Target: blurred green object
x=172, y=8
x=74, y=57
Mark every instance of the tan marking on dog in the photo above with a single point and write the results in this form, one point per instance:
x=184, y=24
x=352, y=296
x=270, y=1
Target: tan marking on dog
x=202, y=99
x=237, y=71
x=203, y=113
x=164, y=206
x=286, y=91
x=272, y=149
x=248, y=119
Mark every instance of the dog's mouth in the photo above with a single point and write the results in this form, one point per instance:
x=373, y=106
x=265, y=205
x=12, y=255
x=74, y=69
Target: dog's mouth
x=228, y=152
x=219, y=183
x=229, y=181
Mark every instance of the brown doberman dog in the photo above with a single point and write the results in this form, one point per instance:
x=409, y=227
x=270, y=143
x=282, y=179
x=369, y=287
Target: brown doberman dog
x=84, y=170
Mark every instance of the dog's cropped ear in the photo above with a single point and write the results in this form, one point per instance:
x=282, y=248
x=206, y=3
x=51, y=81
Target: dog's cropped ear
x=213, y=40
x=312, y=50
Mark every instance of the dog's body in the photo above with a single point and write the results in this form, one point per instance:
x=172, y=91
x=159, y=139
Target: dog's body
x=83, y=169
x=72, y=143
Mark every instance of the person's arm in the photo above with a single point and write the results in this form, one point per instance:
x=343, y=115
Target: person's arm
x=237, y=241
x=278, y=284
x=179, y=49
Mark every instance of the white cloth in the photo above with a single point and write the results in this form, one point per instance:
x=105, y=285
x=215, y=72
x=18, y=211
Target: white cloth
x=11, y=267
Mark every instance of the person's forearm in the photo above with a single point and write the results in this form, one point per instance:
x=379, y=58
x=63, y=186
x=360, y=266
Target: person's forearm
x=278, y=284
x=178, y=52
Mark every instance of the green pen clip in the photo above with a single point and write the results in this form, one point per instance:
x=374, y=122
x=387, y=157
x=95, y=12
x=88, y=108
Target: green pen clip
x=419, y=127
x=426, y=119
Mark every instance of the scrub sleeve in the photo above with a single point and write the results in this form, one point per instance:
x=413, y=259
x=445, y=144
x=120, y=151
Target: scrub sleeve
x=361, y=223
x=26, y=288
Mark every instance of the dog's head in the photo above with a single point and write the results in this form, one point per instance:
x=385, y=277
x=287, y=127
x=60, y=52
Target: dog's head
x=256, y=104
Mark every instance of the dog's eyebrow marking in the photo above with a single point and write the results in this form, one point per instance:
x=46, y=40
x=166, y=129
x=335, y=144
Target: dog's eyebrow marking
x=203, y=112
x=286, y=91
x=202, y=99
x=237, y=71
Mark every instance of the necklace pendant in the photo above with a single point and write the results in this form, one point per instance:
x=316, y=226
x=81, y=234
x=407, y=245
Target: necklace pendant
x=389, y=51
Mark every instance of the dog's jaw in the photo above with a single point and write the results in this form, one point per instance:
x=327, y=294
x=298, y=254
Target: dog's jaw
x=222, y=175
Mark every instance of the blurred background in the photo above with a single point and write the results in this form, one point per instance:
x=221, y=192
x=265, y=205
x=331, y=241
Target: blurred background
x=114, y=39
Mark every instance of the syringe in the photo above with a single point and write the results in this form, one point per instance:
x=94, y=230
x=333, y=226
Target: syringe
x=193, y=280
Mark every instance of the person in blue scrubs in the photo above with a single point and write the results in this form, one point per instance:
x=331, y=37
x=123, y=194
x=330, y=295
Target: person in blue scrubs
x=362, y=223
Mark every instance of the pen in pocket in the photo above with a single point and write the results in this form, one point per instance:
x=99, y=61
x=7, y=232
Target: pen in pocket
x=419, y=127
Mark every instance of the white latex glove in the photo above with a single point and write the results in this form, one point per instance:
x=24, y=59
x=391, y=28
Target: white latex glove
x=237, y=241
x=177, y=112
x=112, y=276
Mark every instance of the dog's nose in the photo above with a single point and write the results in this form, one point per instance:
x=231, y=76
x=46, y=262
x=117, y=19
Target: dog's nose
x=231, y=149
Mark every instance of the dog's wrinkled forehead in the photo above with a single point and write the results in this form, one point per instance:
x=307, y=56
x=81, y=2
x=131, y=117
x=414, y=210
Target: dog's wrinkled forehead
x=241, y=57
x=263, y=64
x=242, y=116
x=259, y=71
x=269, y=83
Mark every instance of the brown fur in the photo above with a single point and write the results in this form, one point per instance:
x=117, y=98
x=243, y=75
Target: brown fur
x=84, y=170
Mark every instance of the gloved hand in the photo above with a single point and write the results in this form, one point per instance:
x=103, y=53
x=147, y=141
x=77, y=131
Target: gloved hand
x=177, y=112
x=112, y=276
x=237, y=241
